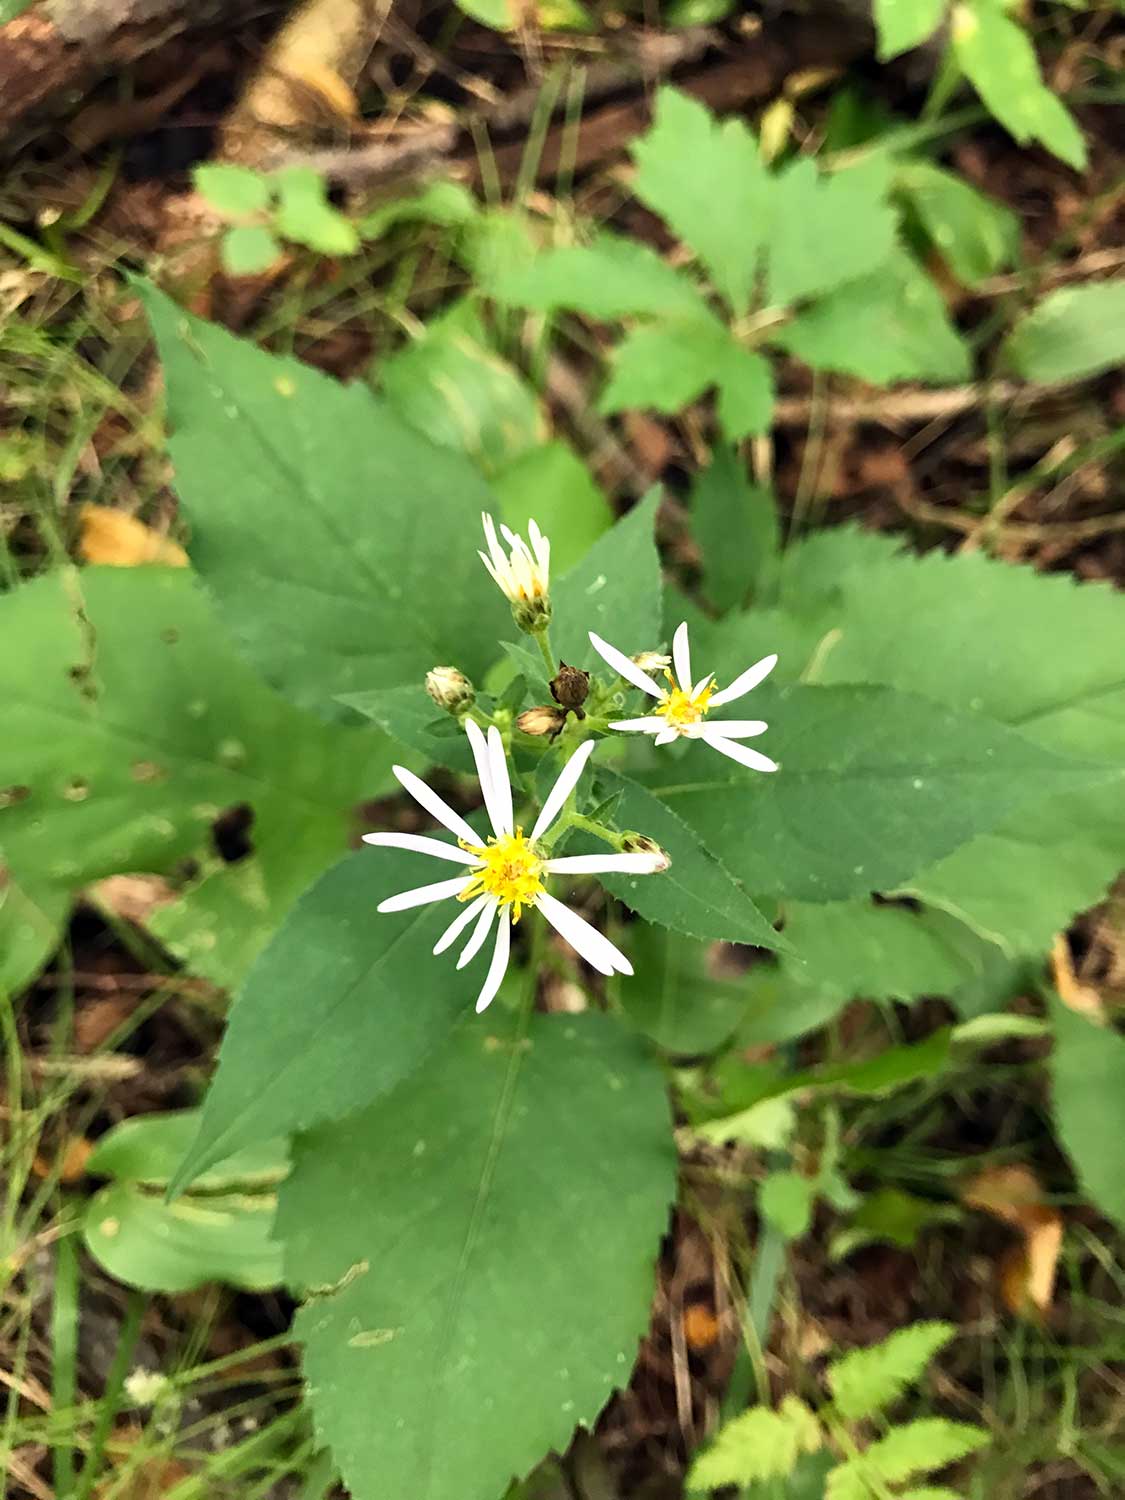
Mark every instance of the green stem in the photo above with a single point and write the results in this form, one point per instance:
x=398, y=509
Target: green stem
x=543, y=641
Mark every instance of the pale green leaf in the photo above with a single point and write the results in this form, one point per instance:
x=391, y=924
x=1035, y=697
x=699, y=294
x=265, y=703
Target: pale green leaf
x=745, y=391
x=999, y=60
x=1074, y=332
x=697, y=895
x=902, y=24
x=887, y=326
x=665, y=366
x=873, y=786
x=305, y=215
x=1088, y=1096
x=786, y=1199
x=614, y=277
x=410, y=716
x=614, y=591
x=340, y=544
x=31, y=922
x=451, y=387
x=483, y=1264
x=915, y=1448
x=498, y=14
x=233, y=190
x=342, y=1004
x=708, y=183
x=867, y=1380
x=448, y=204
x=759, y=1444
x=735, y=526
x=929, y=1492
x=134, y=725
x=974, y=234
x=828, y=230
x=248, y=249
x=675, y=997
x=552, y=484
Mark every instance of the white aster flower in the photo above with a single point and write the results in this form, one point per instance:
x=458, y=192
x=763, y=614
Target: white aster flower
x=523, y=573
x=682, y=707
x=508, y=872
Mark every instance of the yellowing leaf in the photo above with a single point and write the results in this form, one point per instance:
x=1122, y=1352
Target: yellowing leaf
x=1014, y=1195
x=1080, y=997
x=111, y=536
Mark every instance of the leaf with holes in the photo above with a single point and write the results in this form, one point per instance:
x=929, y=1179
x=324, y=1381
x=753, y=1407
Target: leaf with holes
x=340, y=544
x=131, y=725
x=483, y=1265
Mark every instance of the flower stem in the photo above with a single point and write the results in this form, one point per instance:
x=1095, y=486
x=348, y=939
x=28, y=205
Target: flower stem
x=543, y=641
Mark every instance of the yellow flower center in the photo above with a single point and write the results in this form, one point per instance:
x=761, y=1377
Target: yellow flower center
x=679, y=708
x=512, y=872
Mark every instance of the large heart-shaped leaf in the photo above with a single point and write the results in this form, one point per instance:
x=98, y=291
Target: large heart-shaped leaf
x=481, y=1245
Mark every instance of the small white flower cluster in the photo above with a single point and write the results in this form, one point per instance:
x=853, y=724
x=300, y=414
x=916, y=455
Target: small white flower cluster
x=507, y=872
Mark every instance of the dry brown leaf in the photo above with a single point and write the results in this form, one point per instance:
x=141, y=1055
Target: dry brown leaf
x=72, y=1166
x=111, y=536
x=1080, y=997
x=701, y=1326
x=1015, y=1196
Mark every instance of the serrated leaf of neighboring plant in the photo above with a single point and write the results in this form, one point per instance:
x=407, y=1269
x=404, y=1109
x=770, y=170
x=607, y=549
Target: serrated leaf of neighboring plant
x=760, y=1444
x=867, y=1380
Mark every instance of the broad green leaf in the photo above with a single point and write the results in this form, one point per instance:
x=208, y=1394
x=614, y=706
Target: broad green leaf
x=974, y=234
x=448, y=204
x=781, y=1007
x=665, y=366
x=708, y=183
x=914, y=1449
x=133, y=725
x=612, y=278
x=31, y=922
x=614, y=591
x=305, y=215
x=874, y=785
x=902, y=24
x=696, y=896
x=786, y=1199
x=1074, y=332
x=999, y=61
x=828, y=230
x=674, y=998
x=499, y=14
x=343, y=1004
x=1088, y=1095
x=482, y=1262
x=891, y=325
x=855, y=948
x=450, y=386
x=892, y=1217
x=759, y=1444
x=340, y=544
x=235, y=191
x=744, y=404
x=867, y=1380
x=221, y=1233
x=735, y=527
x=249, y=248
x=551, y=483
x=410, y=716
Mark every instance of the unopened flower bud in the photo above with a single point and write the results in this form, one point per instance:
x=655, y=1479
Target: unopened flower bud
x=640, y=843
x=651, y=661
x=543, y=720
x=450, y=689
x=571, y=688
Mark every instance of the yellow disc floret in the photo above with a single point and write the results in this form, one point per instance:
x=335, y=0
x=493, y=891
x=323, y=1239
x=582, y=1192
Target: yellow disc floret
x=679, y=708
x=512, y=872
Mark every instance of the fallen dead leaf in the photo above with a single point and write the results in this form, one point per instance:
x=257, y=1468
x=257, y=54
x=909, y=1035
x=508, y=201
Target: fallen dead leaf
x=72, y=1166
x=111, y=536
x=701, y=1326
x=1080, y=997
x=1015, y=1195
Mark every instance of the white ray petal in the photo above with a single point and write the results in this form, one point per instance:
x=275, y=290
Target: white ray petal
x=501, y=782
x=681, y=657
x=650, y=725
x=741, y=753
x=479, y=932
x=494, y=805
x=540, y=545
x=436, y=806
x=565, y=783
x=596, y=864
x=499, y=965
x=745, y=681
x=419, y=844
x=626, y=668
x=423, y=895
x=667, y=735
x=459, y=923
x=733, y=729
x=586, y=941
